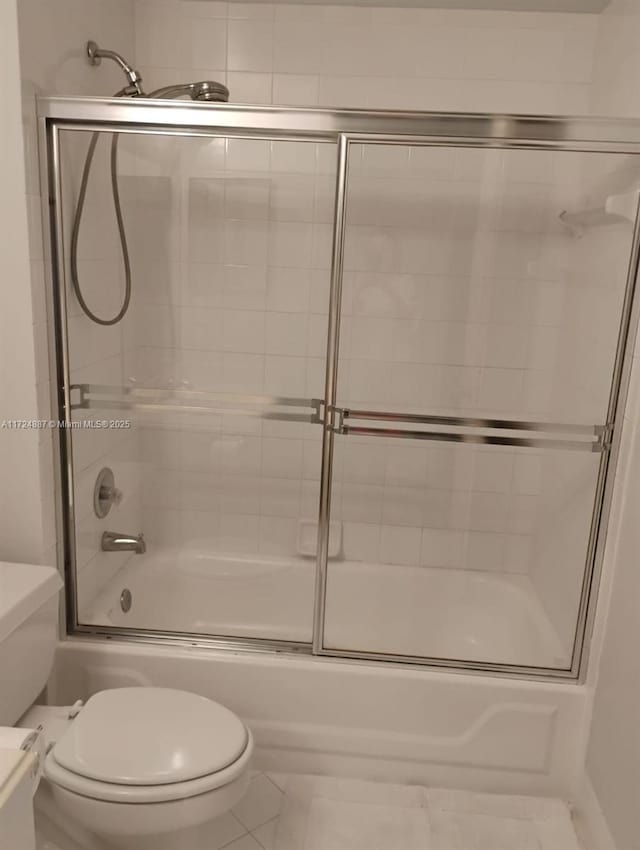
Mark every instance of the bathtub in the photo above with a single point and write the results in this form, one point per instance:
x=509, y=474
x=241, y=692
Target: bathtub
x=345, y=718
x=403, y=610
x=387, y=722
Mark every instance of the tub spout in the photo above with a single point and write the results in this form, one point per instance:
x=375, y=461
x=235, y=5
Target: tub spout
x=113, y=541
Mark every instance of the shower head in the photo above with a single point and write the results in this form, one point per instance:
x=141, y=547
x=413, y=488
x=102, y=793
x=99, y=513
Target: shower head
x=205, y=91
x=208, y=90
x=97, y=54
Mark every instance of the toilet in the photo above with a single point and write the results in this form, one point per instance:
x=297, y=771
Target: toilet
x=136, y=768
x=147, y=767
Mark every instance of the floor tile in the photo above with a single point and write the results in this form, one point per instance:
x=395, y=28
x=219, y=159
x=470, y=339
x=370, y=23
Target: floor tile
x=503, y=805
x=295, y=812
x=302, y=791
x=336, y=825
x=279, y=779
x=356, y=791
x=557, y=834
x=222, y=831
x=291, y=828
x=473, y=831
x=261, y=803
x=265, y=835
x=359, y=791
x=247, y=842
x=45, y=844
x=544, y=821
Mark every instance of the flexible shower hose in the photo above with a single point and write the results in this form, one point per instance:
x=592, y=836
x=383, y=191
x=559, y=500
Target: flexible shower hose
x=75, y=232
x=204, y=90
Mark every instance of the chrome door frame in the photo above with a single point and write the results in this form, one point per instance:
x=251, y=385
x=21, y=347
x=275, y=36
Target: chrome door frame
x=342, y=128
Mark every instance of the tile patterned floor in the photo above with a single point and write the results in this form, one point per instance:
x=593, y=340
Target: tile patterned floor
x=281, y=812
x=325, y=813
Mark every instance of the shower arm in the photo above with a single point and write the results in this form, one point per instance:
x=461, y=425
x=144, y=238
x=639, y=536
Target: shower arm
x=97, y=54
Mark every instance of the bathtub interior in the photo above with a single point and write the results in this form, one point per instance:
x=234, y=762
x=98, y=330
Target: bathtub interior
x=463, y=295
x=452, y=614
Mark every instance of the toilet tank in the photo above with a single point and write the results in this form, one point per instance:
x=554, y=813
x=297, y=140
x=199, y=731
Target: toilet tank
x=28, y=634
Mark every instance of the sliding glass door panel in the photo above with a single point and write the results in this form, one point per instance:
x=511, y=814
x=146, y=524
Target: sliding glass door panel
x=480, y=321
x=459, y=552
x=217, y=369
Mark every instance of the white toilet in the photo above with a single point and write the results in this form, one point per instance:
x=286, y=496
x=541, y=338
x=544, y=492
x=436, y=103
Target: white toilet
x=149, y=766
x=138, y=768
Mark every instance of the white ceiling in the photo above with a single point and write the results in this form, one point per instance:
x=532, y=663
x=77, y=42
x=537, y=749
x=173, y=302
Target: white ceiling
x=512, y=5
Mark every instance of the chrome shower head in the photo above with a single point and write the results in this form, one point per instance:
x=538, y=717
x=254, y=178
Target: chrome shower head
x=97, y=54
x=204, y=91
x=210, y=91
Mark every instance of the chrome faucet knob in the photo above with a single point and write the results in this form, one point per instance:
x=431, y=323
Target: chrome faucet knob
x=105, y=493
x=112, y=495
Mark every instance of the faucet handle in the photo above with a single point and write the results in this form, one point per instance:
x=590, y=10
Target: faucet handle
x=111, y=495
x=105, y=493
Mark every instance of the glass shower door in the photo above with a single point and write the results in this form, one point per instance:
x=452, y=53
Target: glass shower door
x=217, y=367
x=443, y=504
x=478, y=330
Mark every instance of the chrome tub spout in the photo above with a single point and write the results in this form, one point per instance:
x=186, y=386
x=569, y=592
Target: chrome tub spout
x=113, y=541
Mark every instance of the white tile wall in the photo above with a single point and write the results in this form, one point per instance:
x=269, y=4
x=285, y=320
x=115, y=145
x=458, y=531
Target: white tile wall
x=52, y=39
x=382, y=57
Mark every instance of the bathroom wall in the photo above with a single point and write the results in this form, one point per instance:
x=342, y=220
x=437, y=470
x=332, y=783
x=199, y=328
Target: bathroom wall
x=370, y=57
x=609, y=803
x=52, y=38
x=21, y=536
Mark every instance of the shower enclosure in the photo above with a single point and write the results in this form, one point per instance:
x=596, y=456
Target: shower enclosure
x=368, y=395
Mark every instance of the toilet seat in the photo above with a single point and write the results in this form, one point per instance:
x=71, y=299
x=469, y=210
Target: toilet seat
x=149, y=745
x=111, y=792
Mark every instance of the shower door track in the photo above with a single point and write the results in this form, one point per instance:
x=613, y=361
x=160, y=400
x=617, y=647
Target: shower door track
x=343, y=128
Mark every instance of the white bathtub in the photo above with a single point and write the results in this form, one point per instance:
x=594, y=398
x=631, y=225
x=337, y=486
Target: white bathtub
x=317, y=715
x=438, y=613
x=379, y=722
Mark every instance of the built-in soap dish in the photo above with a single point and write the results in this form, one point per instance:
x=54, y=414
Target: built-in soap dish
x=307, y=545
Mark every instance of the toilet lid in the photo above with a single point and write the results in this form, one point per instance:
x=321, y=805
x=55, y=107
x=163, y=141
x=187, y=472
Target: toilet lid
x=150, y=736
